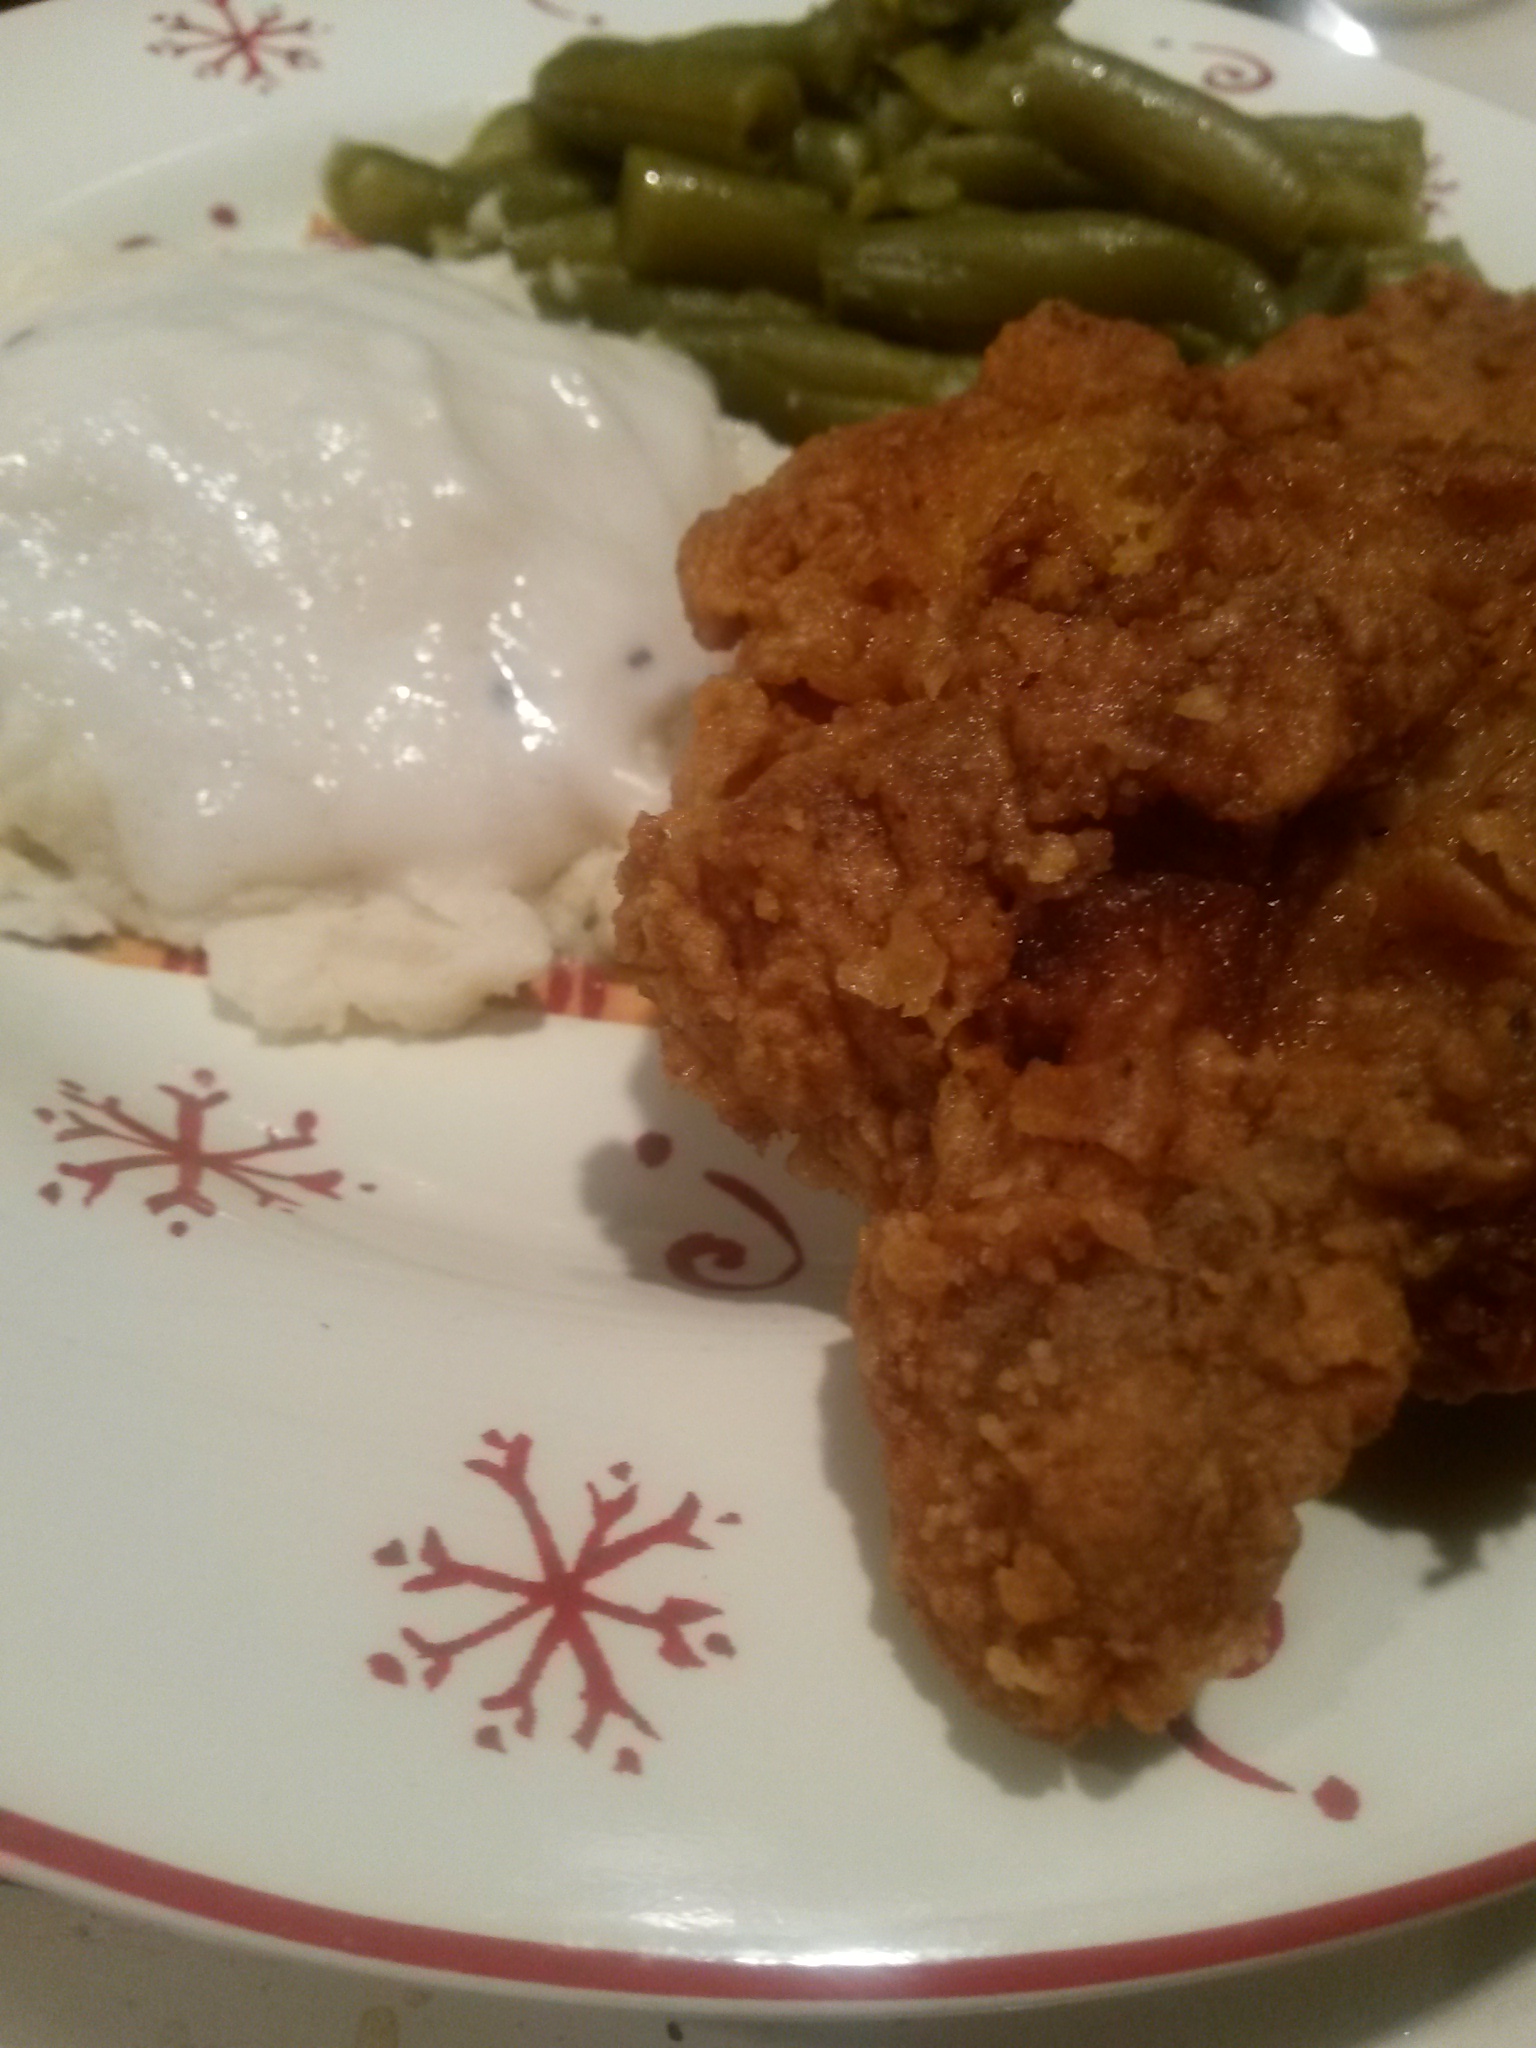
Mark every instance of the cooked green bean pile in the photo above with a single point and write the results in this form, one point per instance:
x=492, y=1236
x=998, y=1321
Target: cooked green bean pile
x=833, y=215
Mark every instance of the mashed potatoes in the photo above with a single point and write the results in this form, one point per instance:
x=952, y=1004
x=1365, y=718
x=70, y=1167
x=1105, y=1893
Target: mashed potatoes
x=338, y=627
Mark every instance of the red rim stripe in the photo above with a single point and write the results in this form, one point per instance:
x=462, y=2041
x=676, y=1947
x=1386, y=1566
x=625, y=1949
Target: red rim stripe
x=362, y=1937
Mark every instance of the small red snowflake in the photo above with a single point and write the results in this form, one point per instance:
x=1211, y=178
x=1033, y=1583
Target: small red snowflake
x=1440, y=188
x=256, y=48
x=561, y=1600
x=183, y=1151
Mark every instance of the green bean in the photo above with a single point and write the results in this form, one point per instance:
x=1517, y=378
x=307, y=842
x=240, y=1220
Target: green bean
x=1199, y=345
x=1391, y=263
x=816, y=352
x=1346, y=208
x=380, y=195
x=952, y=280
x=830, y=50
x=961, y=18
x=758, y=167
x=831, y=155
x=799, y=380
x=524, y=176
x=1389, y=153
x=1325, y=281
x=838, y=46
x=788, y=415
x=903, y=187
x=606, y=295
x=999, y=170
x=1185, y=154
x=590, y=236
x=606, y=95
x=895, y=122
x=533, y=191
x=749, y=388
x=530, y=195
x=692, y=223
x=508, y=135
x=744, y=42
x=985, y=88
x=459, y=245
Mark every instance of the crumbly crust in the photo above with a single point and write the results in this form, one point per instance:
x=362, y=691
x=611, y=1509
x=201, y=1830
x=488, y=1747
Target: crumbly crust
x=1111, y=858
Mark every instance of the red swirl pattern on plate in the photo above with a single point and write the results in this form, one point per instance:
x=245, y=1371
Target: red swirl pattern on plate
x=1233, y=70
x=726, y=1264
x=1333, y=1797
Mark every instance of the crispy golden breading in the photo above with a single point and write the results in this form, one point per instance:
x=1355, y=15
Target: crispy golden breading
x=1112, y=858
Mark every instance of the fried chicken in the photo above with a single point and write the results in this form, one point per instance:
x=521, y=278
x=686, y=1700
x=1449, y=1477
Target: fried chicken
x=1112, y=859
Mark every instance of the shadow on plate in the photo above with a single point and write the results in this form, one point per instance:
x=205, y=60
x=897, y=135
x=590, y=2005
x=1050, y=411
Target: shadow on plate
x=1458, y=1475
x=693, y=1207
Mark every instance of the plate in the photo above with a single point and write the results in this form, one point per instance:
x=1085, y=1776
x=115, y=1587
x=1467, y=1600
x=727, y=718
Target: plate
x=439, y=1522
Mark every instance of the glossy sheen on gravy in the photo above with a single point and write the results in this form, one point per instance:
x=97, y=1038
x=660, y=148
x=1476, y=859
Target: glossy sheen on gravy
x=331, y=572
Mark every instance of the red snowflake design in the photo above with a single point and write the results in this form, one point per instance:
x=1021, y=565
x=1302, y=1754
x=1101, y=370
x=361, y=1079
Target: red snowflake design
x=705, y=1258
x=1333, y=1797
x=256, y=48
x=562, y=1599
x=568, y=13
x=183, y=1149
x=1440, y=188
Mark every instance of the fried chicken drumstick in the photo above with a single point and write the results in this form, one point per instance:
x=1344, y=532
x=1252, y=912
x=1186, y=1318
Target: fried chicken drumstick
x=1112, y=859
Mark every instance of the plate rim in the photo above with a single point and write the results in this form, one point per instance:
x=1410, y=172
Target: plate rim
x=61, y=1860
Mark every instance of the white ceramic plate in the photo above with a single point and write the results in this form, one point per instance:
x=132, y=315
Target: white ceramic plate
x=438, y=1522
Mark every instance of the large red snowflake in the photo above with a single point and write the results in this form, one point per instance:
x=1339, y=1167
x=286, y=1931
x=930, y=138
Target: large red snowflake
x=183, y=1150
x=256, y=48
x=560, y=1601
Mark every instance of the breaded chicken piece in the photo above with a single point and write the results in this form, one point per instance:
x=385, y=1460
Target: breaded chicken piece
x=1112, y=859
